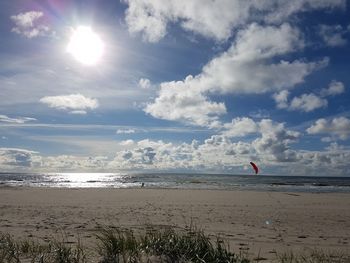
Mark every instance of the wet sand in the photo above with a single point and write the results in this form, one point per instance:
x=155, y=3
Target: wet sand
x=251, y=221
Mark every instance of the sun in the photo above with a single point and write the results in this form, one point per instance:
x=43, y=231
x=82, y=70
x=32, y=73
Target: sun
x=85, y=46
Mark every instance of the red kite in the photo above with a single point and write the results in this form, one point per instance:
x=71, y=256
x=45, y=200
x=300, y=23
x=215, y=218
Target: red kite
x=256, y=169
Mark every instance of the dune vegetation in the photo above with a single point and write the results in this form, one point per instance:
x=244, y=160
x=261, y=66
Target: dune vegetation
x=120, y=245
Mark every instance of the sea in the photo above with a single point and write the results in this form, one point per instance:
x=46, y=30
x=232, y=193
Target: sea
x=178, y=181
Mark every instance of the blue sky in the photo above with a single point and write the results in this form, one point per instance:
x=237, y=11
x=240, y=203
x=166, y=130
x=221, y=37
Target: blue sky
x=195, y=86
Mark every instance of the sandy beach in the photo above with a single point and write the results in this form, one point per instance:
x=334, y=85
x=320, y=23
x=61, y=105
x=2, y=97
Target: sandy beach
x=256, y=222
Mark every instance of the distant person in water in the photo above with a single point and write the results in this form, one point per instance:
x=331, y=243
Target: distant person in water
x=142, y=185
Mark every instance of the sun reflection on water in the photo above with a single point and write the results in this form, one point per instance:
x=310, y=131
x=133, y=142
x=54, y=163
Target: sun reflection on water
x=87, y=179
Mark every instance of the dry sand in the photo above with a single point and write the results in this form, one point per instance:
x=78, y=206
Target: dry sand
x=251, y=221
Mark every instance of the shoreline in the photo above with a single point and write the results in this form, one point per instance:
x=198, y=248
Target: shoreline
x=238, y=189
x=258, y=222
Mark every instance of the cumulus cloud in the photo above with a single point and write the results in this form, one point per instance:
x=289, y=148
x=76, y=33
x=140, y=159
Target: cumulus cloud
x=240, y=127
x=28, y=24
x=271, y=149
x=144, y=83
x=246, y=67
x=18, y=158
x=273, y=143
x=333, y=35
x=218, y=152
x=283, y=9
x=18, y=120
x=145, y=154
x=160, y=155
x=307, y=103
x=275, y=140
x=281, y=99
x=74, y=163
x=338, y=127
x=334, y=88
x=74, y=103
x=260, y=114
x=212, y=19
x=178, y=101
x=334, y=160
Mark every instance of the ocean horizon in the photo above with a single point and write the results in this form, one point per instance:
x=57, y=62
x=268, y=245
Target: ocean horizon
x=178, y=181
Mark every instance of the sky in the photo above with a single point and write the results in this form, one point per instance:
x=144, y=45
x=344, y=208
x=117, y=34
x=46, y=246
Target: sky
x=196, y=86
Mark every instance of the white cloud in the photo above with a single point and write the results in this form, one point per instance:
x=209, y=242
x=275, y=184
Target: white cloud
x=333, y=35
x=281, y=10
x=307, y=103
x=127, y=142
x=271, y=150
x=274, y=142
x=78, y=112
x=337, y=127
x=245, y=68
x=14, y=158
x=125, y=131
x=74, y=103
x=281, y=99
x=212, y=19
x=74, y=163
x=334, y=88
x=333, y=161
x=144, y=83
x=327, y=139
x=240, y=127
x=28, y=25
x=151, y=17
x=258, y=42
x=178, y=101
x=19, y=120
x=272, y=146
x=217, y=153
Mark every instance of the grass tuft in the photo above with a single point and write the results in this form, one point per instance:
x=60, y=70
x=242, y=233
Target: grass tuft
x=12, y=251
x=118, y=245
x=190, y=246
x=63, y=253
x=9, y=249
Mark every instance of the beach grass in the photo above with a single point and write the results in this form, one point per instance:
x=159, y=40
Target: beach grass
x=162, y=245
x=55, y=251
x=121, y=245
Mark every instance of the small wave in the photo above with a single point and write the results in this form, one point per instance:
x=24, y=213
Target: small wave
x=94, y=181
x=320, y=184
x=291, y=184
x=197, y=182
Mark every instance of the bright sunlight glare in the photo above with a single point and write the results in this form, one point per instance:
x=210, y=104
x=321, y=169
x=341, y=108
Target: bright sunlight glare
x=85, y=46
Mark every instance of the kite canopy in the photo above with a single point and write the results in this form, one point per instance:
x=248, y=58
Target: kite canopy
x=256, y=169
